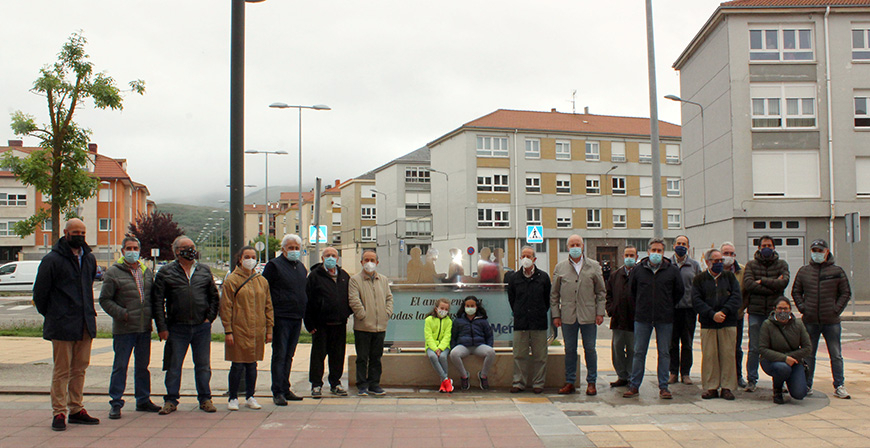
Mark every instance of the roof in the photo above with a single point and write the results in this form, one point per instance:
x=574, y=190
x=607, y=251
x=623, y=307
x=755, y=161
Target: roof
x=535, y=121
x=293, y=196
x=790, y=3
x=104, y=167
x=421, y=155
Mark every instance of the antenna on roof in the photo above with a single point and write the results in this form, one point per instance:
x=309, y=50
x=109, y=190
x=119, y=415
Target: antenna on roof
x=574, y=101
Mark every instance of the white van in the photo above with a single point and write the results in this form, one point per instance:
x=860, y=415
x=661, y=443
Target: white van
x=18, y=276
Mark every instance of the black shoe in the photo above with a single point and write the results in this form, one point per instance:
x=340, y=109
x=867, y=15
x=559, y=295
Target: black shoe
x=115, y=412
x=290, y=396
x=82, y=418
x=147, y=407
x=58, y=423
x=377, y=390
x=484, y=382
x=619, y=383
x=777, y=396
x=279, y=400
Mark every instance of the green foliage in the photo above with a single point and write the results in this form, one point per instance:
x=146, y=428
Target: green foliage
x=59, y=169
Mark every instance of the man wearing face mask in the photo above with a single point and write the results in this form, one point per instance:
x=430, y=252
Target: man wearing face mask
x=184, y=303
x=529, y=296
x=577, y=305
x=287, y=278
x=729, y=260
x=821, y=292
x=326, y=319
x=619, y=305
x=684, y=315
x=126, y=296
x=764, y=280
x=64, y=293
x=371, y=301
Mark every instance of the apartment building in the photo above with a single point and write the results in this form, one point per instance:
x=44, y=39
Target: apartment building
x=358, y=205
x=778, y=149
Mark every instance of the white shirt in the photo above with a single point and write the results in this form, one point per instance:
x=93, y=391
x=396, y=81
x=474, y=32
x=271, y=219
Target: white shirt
x=578, y=265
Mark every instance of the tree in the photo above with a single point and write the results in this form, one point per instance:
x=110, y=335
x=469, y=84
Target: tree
x=59, y=169
x=274, y=245
x=156, y=231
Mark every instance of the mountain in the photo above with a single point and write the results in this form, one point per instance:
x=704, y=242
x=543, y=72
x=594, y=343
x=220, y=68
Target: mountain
x=216, y=199
x=192, y=218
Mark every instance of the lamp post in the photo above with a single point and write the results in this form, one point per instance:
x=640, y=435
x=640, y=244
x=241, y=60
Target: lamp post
x=315, y=107
x=447, y=215
x=266, y=153
x=605, y=202
x=703, y=156
x=654, y=124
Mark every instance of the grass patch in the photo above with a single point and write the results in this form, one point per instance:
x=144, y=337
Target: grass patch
x=15, y=294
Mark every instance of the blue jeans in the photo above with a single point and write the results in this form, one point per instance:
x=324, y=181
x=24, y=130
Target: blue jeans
x=642, y=333
x=794, y=376
x=832, y=334
x=124, y=345
x=752, y=358
x=589, y=333
x=285, y=336
x=738, y=354
x=198, y=338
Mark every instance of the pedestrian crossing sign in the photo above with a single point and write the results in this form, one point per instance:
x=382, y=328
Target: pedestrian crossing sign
x=535, y=234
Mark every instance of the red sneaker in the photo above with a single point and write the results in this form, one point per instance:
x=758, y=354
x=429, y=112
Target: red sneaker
x=448, y=385
x=443, y=388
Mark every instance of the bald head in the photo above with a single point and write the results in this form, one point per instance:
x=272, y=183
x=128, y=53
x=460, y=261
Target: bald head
x=575, y=241
x=73, y=227
x=329, y=252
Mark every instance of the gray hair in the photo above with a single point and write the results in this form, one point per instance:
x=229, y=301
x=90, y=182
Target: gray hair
x=129, y=238
x=655, y=240
x=527, y=247
x=727, y=243
x=367, y=251
x=709, y=254
x=291, y=237
x=177, y=241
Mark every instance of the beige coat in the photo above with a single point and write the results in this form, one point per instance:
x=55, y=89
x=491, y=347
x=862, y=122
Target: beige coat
x=247, y=315
x=371, y=301
x=576, y=298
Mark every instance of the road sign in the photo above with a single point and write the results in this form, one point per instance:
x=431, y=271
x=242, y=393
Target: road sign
x=535, y=234
x=470, y=250
x=853, y=227
x=401, y=246
x=260, y=246
x=155, y=252
x=315, y=236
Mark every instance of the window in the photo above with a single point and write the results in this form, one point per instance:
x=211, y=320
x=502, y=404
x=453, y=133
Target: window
x=533, y=182
x=533, y=148
x=492, y=216
x=368, y=213
x=563, y=184
x=646, y=218
x=13, y=199
x=861, y=43
x=646, y=186
x=644, y=152
x=620, y=220
x=617, y=151
x=673, y=186
x=862, y=176
x=6, y=228
x=593, y=184
x=563, y=245
x=418, y=201
x=105, y=195
x=105, y=224
x=46, y=225
x=672, y=154
x=533, y=216
x=674, y=219
x=781, y=43
x=418, y=227
x=593, y=218
x=563, y=150
x=593, y=152
x=336, y=219
x=785, y=174
x=617, y=185
x=563, y=218
x=417, y=174
x=494, y=180
x=492, y=146
x=368, y=234
x=862, y=115
x=800, y=106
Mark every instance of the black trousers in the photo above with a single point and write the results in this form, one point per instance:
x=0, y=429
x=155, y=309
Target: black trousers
x=369, y=349
x=331, y=341
x=250, y=370
x=681, y=340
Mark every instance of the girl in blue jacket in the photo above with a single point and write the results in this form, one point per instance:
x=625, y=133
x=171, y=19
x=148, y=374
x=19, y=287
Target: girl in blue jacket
x=437, y=330
x=472, y=335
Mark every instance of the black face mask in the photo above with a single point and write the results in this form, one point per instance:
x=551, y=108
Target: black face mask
x=188, y=254
x=75, y=241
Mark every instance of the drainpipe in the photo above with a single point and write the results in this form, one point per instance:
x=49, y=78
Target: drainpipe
x=517, y=203
x=829, y=130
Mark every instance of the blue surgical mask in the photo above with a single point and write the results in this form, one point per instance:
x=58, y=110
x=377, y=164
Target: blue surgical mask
x=766, y=252
x=131, y=256
x=818, y=257
x=655, y=259
x=717, y=268
x=575, y=252
x=681, y=251
x=330, y=262
x=293, y=255
x=630, y=262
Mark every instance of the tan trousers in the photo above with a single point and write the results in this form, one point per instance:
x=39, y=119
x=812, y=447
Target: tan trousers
x=535, y=364
x=71, y=358
x=718, y=358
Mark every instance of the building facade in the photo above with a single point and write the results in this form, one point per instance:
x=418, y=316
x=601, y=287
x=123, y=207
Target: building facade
x=359, y=231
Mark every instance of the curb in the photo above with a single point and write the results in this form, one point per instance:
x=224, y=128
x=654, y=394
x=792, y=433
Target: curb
x=855, y=318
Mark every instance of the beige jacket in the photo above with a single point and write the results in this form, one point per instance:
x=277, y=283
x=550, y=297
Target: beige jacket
x=247, y=315
x=371, y=301
x=576, y=298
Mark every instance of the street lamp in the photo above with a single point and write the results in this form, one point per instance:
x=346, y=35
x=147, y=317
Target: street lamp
x=447, y=176
x=266, y=153
x=703, y=156
x=315, y=107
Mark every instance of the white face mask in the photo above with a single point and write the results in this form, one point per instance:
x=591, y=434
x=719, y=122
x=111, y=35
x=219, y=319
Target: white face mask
x=370, y=267
x=249, y=263
x=728, y=261
x=527, y=263
x=470, y=310
x=442, y=313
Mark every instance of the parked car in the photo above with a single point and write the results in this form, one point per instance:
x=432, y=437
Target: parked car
x=18, y=276
x=98, y=276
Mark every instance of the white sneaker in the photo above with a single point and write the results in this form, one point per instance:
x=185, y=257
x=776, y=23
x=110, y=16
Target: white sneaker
x=233, y=405
x=841, y=392
x=809, y=391
x=252, y=403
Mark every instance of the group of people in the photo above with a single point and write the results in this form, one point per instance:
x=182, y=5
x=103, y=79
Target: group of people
x=183, y=301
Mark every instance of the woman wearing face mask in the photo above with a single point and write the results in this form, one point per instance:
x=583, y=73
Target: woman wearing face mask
x=783, y=346
x=437, y=330
x=472, y=335
x=246, y=314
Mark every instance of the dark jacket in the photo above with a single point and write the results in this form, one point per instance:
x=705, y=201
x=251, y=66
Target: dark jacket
x=689, y=268
x=177, y=300
x=656, y=294
x=120, y=298
x=529, y=298
x=64, y=293
x=759, y=297
x=620, y=303
x=471, y=333
x=793, y=340
x=327, y=298
x=287, y=282
x=821, y=292
x=711, y=295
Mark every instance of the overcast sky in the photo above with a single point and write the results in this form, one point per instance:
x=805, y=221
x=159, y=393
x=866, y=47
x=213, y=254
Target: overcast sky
x=397, y=74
